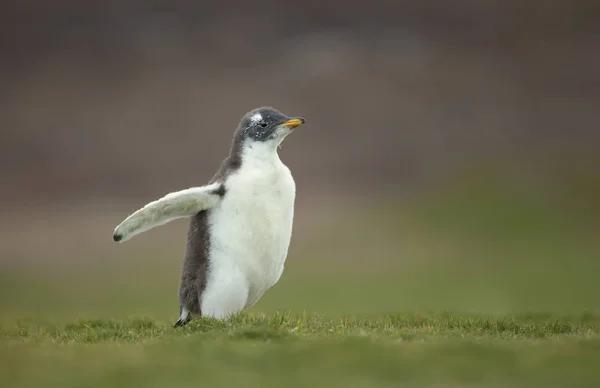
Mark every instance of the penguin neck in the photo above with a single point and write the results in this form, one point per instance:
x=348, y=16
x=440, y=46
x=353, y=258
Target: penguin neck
x=260, y=152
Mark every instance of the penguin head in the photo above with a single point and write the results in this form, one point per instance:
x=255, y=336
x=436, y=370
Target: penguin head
x=266, y=127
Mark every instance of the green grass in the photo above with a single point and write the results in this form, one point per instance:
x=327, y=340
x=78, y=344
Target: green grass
x=285, y=349
x=488, y=284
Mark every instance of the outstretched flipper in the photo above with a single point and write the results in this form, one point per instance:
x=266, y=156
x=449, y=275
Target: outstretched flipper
x=184, y=203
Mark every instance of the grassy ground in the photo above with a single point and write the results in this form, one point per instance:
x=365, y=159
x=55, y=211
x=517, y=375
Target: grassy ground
x=284, y=349
x=487, y=287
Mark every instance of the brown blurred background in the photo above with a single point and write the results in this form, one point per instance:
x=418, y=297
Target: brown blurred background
x=106, y=105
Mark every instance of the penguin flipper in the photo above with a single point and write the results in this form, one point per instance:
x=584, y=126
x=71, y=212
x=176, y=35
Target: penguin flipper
x=179, y=204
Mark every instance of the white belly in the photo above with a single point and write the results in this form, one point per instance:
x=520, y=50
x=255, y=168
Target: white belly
x=250, y=234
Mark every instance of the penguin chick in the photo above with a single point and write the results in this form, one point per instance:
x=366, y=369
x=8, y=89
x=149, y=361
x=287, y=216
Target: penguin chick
x=241, y=221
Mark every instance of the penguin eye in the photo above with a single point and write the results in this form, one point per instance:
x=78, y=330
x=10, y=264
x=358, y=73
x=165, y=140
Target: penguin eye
x=263, y=125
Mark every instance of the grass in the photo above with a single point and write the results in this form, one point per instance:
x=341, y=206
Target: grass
x=495, y=285
x=278, y=349
x=261, y=326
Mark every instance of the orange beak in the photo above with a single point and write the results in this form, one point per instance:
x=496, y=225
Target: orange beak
x=293, y=123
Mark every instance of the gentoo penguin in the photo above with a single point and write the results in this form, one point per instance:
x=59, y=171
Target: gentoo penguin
x=241, y=221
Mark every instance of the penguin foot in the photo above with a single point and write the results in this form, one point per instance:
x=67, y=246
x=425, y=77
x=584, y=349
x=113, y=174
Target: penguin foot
x=184, y=318
x=181, y=322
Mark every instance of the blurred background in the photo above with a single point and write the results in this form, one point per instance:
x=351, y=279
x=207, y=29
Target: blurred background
x=449, y=161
